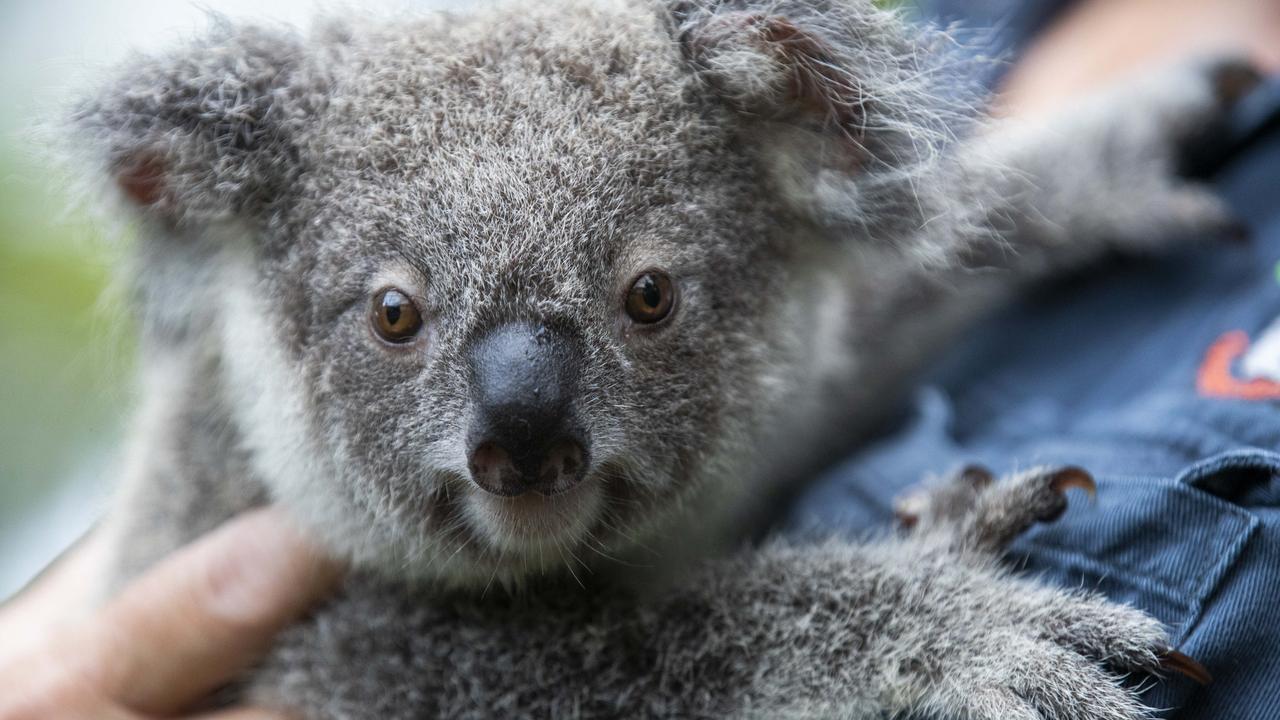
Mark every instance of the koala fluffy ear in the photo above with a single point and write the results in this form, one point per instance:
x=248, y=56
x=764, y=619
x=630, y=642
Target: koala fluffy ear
x=203, y=133
x=842, y=98
x=766, y=65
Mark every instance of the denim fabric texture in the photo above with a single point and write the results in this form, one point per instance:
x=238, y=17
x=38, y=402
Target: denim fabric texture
x=1136, y=371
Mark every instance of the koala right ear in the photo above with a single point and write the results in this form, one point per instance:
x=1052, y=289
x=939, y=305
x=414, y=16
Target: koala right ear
x=203, y=133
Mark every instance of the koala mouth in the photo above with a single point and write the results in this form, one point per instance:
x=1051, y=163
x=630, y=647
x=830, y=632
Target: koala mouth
x=530, y=523
x=601, y=520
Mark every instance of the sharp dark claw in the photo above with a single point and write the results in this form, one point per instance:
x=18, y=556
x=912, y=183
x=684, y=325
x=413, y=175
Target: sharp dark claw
x=977, y=476
x=906, y=521
x=1184, y=665
x=1074, y=477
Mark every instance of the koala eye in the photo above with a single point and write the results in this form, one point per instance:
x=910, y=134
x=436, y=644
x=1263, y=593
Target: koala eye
x=650, y=298
x=395, y=318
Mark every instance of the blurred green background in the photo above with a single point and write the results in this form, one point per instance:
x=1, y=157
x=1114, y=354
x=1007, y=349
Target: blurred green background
x=67, y=385
x=64, y=345
x=64, y=350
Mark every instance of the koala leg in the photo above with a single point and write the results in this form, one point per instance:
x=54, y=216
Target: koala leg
x=1034, y=198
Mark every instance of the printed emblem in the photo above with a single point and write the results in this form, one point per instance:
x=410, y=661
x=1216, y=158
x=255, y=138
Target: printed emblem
x=1258, y=366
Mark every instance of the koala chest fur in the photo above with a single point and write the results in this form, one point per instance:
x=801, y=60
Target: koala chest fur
x=514, y=296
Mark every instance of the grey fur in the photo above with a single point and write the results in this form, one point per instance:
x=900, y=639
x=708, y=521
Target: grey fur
x=833, y=212
x=931, y=625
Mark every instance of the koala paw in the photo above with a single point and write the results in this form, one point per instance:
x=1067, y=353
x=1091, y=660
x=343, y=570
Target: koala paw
x=975, y=512
x=1020, y=650
x=1013, y=649
x=1059, y=656
x=1164, y=132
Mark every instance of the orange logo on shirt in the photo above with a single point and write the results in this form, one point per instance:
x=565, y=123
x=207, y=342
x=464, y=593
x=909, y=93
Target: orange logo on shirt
x=1216, y=378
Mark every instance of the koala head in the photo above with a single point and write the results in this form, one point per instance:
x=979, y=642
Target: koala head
x=495, y=293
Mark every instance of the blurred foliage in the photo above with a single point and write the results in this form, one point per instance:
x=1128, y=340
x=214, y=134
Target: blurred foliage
x=65, y=349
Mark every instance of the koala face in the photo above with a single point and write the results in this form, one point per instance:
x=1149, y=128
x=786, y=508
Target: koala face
x=499, y=286
x=522, y=287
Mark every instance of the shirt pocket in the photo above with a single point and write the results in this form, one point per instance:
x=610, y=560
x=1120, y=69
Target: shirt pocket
x=1161, y=544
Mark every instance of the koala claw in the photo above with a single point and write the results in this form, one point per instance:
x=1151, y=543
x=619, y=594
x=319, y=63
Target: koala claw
x=1073, y=477
x=979, y=477
x=1185, y=665
x=1009, y=508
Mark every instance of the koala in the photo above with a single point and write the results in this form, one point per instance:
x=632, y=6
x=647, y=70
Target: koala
x=529, y=311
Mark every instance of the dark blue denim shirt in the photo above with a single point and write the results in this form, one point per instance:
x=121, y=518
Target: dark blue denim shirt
x=1162, y=377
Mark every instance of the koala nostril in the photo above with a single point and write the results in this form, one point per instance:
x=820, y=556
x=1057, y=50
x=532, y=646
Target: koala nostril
x=563, y=467
x=560, y=467
x=492, y=470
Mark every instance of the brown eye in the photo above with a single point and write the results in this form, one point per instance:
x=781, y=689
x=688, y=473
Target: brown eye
x=650, y=298
x=395, y=318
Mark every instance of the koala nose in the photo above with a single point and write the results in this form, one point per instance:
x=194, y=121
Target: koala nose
x=523, y=435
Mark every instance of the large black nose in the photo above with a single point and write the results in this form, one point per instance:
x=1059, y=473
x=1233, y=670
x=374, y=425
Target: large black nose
x=523, y=434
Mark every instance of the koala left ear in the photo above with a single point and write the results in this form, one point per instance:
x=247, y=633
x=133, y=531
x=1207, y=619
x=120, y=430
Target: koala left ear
x=846, y=103
x=203, y=133
x=767, y=65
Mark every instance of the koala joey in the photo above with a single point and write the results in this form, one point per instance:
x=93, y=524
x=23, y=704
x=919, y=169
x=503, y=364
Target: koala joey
x=522, y=309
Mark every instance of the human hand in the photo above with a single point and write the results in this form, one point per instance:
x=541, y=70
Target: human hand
x=169, y=638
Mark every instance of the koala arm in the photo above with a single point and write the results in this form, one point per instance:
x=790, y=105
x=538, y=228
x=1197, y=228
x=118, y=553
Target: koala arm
x=1058, y=190
x=1025, y=200
x=929, y=624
